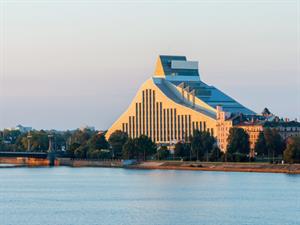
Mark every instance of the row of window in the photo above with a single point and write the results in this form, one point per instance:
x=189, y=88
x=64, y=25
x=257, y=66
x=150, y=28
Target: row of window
x=161, y=124
x=288, y=128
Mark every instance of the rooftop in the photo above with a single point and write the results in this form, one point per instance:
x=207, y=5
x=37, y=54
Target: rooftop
x=177, y=70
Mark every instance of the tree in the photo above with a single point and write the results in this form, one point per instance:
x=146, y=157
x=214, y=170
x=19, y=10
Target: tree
x=292, y=152
x=59, y=140
x=117, y=139
x=274, y=142
x=81, y=136
x=71, y=150
x=94, y=154
x=2, y=144
x=138, y=148
x=129, y=150
x=207, y=142
x=196, y=145
x=98, y=141
x=182, y=150
x=269, y=143
x=238, y=144
x=201, y=144
x=10, y=136
x=163, y=153
x=145, y=146
x=261, y=145
x=216, y=154
x=81, y=152
x=82, y=143
x=38, y=143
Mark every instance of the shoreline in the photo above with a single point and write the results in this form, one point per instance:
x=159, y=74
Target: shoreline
x=169, y=165
x=221, y=167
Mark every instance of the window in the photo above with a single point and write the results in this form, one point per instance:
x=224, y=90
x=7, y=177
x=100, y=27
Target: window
x=171, y=120
x=147, y=112
x=193, y=124
x=133, y=127
x=129, y=133
x=143, y=102
x=186, y=128
x=179, y=127
x=153, y=116
x=168, y=125
x=190, y=125
x=160, y=117
x=157, y=122
x=140, y=119
x=182, y=127
x=136, y=118
x=164, y=124
x=150, y=113
x=175, y=127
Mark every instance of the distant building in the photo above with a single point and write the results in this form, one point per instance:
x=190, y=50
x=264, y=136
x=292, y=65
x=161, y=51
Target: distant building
x=285, y=128
x=21, y=128
x=253, y=125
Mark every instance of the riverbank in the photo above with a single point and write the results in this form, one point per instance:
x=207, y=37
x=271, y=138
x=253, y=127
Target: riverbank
x=178, y=165
x=162, y=165
x=225, y=167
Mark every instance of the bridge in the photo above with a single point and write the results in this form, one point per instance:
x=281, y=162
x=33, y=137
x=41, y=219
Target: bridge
x=38, y=155
x=29, y=158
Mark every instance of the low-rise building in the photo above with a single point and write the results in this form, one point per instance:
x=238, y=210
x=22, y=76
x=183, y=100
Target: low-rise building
x=253, y=125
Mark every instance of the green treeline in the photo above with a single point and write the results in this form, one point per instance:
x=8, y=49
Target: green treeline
x=90, y=144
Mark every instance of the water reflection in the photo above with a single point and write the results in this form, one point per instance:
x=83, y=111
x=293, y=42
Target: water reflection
x=41, y=196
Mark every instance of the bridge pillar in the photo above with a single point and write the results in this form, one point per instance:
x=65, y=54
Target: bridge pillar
x=51, y=157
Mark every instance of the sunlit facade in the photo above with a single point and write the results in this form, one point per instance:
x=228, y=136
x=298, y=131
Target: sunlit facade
x=174, y=102
x=253, y=125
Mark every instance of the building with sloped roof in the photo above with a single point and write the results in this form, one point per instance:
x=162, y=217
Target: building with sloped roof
x=174, y=102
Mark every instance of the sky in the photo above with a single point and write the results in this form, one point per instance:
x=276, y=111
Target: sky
x=65, y=64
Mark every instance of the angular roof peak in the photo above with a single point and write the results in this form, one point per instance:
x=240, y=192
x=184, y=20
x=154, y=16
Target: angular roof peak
x=170, y=65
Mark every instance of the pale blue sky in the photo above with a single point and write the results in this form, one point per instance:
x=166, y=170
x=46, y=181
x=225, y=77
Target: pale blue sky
x=69, y=63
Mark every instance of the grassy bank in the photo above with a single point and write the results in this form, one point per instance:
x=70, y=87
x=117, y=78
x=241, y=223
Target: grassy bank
x=221, y=166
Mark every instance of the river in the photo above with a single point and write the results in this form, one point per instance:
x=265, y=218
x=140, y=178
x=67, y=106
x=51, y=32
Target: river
x=93, y=196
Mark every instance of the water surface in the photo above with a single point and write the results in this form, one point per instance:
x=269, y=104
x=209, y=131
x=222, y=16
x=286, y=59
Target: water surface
x=90, y=196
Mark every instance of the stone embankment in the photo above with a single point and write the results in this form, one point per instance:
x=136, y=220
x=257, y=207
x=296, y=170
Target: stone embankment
x=89, y=163
x=24, y=161
x=167, y=165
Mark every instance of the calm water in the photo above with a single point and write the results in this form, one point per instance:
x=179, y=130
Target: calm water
x=90, y=196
